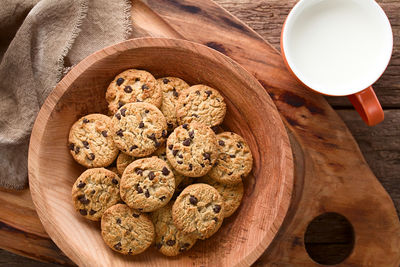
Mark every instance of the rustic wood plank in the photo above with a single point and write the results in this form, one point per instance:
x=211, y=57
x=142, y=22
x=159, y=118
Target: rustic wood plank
x=8, y=259
x=266, y=17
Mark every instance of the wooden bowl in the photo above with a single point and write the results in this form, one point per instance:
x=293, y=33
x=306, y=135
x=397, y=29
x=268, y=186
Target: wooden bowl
x=251, y=113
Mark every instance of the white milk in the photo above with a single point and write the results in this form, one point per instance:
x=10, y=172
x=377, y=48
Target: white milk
x=336, y=45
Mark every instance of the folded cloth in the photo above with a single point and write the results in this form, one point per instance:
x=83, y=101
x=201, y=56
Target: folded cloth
x=39, y=42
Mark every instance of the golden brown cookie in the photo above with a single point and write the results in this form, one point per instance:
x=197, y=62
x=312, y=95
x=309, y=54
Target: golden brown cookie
x=192, y=149
x=126, y=230
x=199, y=210
x=162, y=154
x=133, y=86
x=201, y=103
x=123, y=160
x=171, y=88
x=138, y=129
x=234, y=160
x=147, y=184
x=94, y=191
x=169, y=240
x=91, y=143
x=231, y=194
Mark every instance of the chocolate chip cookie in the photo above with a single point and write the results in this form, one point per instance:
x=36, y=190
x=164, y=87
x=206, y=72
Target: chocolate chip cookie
x=126, y=230
x=147, y=184
x=91, y=143
x=123, y=160
x=133, y=86
x=94, y=191
x=201, y=103
x=192, y=149
x=199, y=210
x=234, y=160
x=162, y=154
x=138, y=129
x=171, y=88
x=169, y=240
x=231, y=194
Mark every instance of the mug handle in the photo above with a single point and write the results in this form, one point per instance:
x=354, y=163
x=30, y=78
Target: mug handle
x=367, y=105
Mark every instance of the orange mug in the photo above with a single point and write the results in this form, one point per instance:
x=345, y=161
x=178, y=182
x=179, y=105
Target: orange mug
x=339, y=48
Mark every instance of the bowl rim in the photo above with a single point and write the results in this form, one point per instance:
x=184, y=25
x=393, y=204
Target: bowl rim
x=62, y=86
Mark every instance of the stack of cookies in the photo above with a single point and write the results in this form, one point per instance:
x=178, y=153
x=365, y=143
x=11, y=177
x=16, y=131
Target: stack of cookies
x=157, y=171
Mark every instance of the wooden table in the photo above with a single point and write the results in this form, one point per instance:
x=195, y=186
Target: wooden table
x=380, y=145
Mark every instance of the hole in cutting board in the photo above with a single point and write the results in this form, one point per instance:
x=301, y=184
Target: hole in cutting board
x=329, y=238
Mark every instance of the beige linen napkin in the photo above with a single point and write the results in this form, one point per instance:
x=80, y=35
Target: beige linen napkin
x=39, y=42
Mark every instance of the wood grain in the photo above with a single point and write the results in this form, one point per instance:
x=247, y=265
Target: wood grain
x=266, y=17
x=250, y=113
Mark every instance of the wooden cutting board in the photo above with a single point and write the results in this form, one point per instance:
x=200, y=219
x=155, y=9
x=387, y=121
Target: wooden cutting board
x=331, y=173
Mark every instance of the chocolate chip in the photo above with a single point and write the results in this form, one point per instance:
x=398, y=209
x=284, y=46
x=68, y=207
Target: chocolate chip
x=230, y=173
x=71, y=146
x=171, y=242
x=133, y=147
x=239, y=145
x=138, y=100
x=157, y=144
x=221, y=143
x=197, y=92
x=232, y=156
x=165, y=171
x=120, y=132
x=174, y=152
x=158, y=245
x=207, y=156
x=151, y=176
x=141, y=124
x=164, y=133
x=195, y=115
x=118, y=116
x=81, y=185
x=180, y=156
x=215, y=219
x=139, y=189
x=185, y=126
x=114, y=181
x=145, y=87
x=163, y=198
x=193, y=200
x=187, y=142
x=208, y=93
x=83, y=212
x=123, y=110
x=85, y=144
x=170, y=147
x=179, y=162
x=130, y=250
x=170, y=125
x=202, y=165
x=165, y=81
x=104, y=133
x=83, y=199
x=85, y=120
x=146, y=111
x=92, y=212
x=120, y=104
x=190, y=166
x=93, y=191
x=118, y=221
x=163, y=154
x=152, y=136
x=137, y=79
x=175, y=93
x=139, y=171
x=217, y=208
x=118, y=246
x=120, y=81
x=91, y=156
x=135, y=215
x=216, y=163
x=128, y=89
x=191, y=134
x=147, y=193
